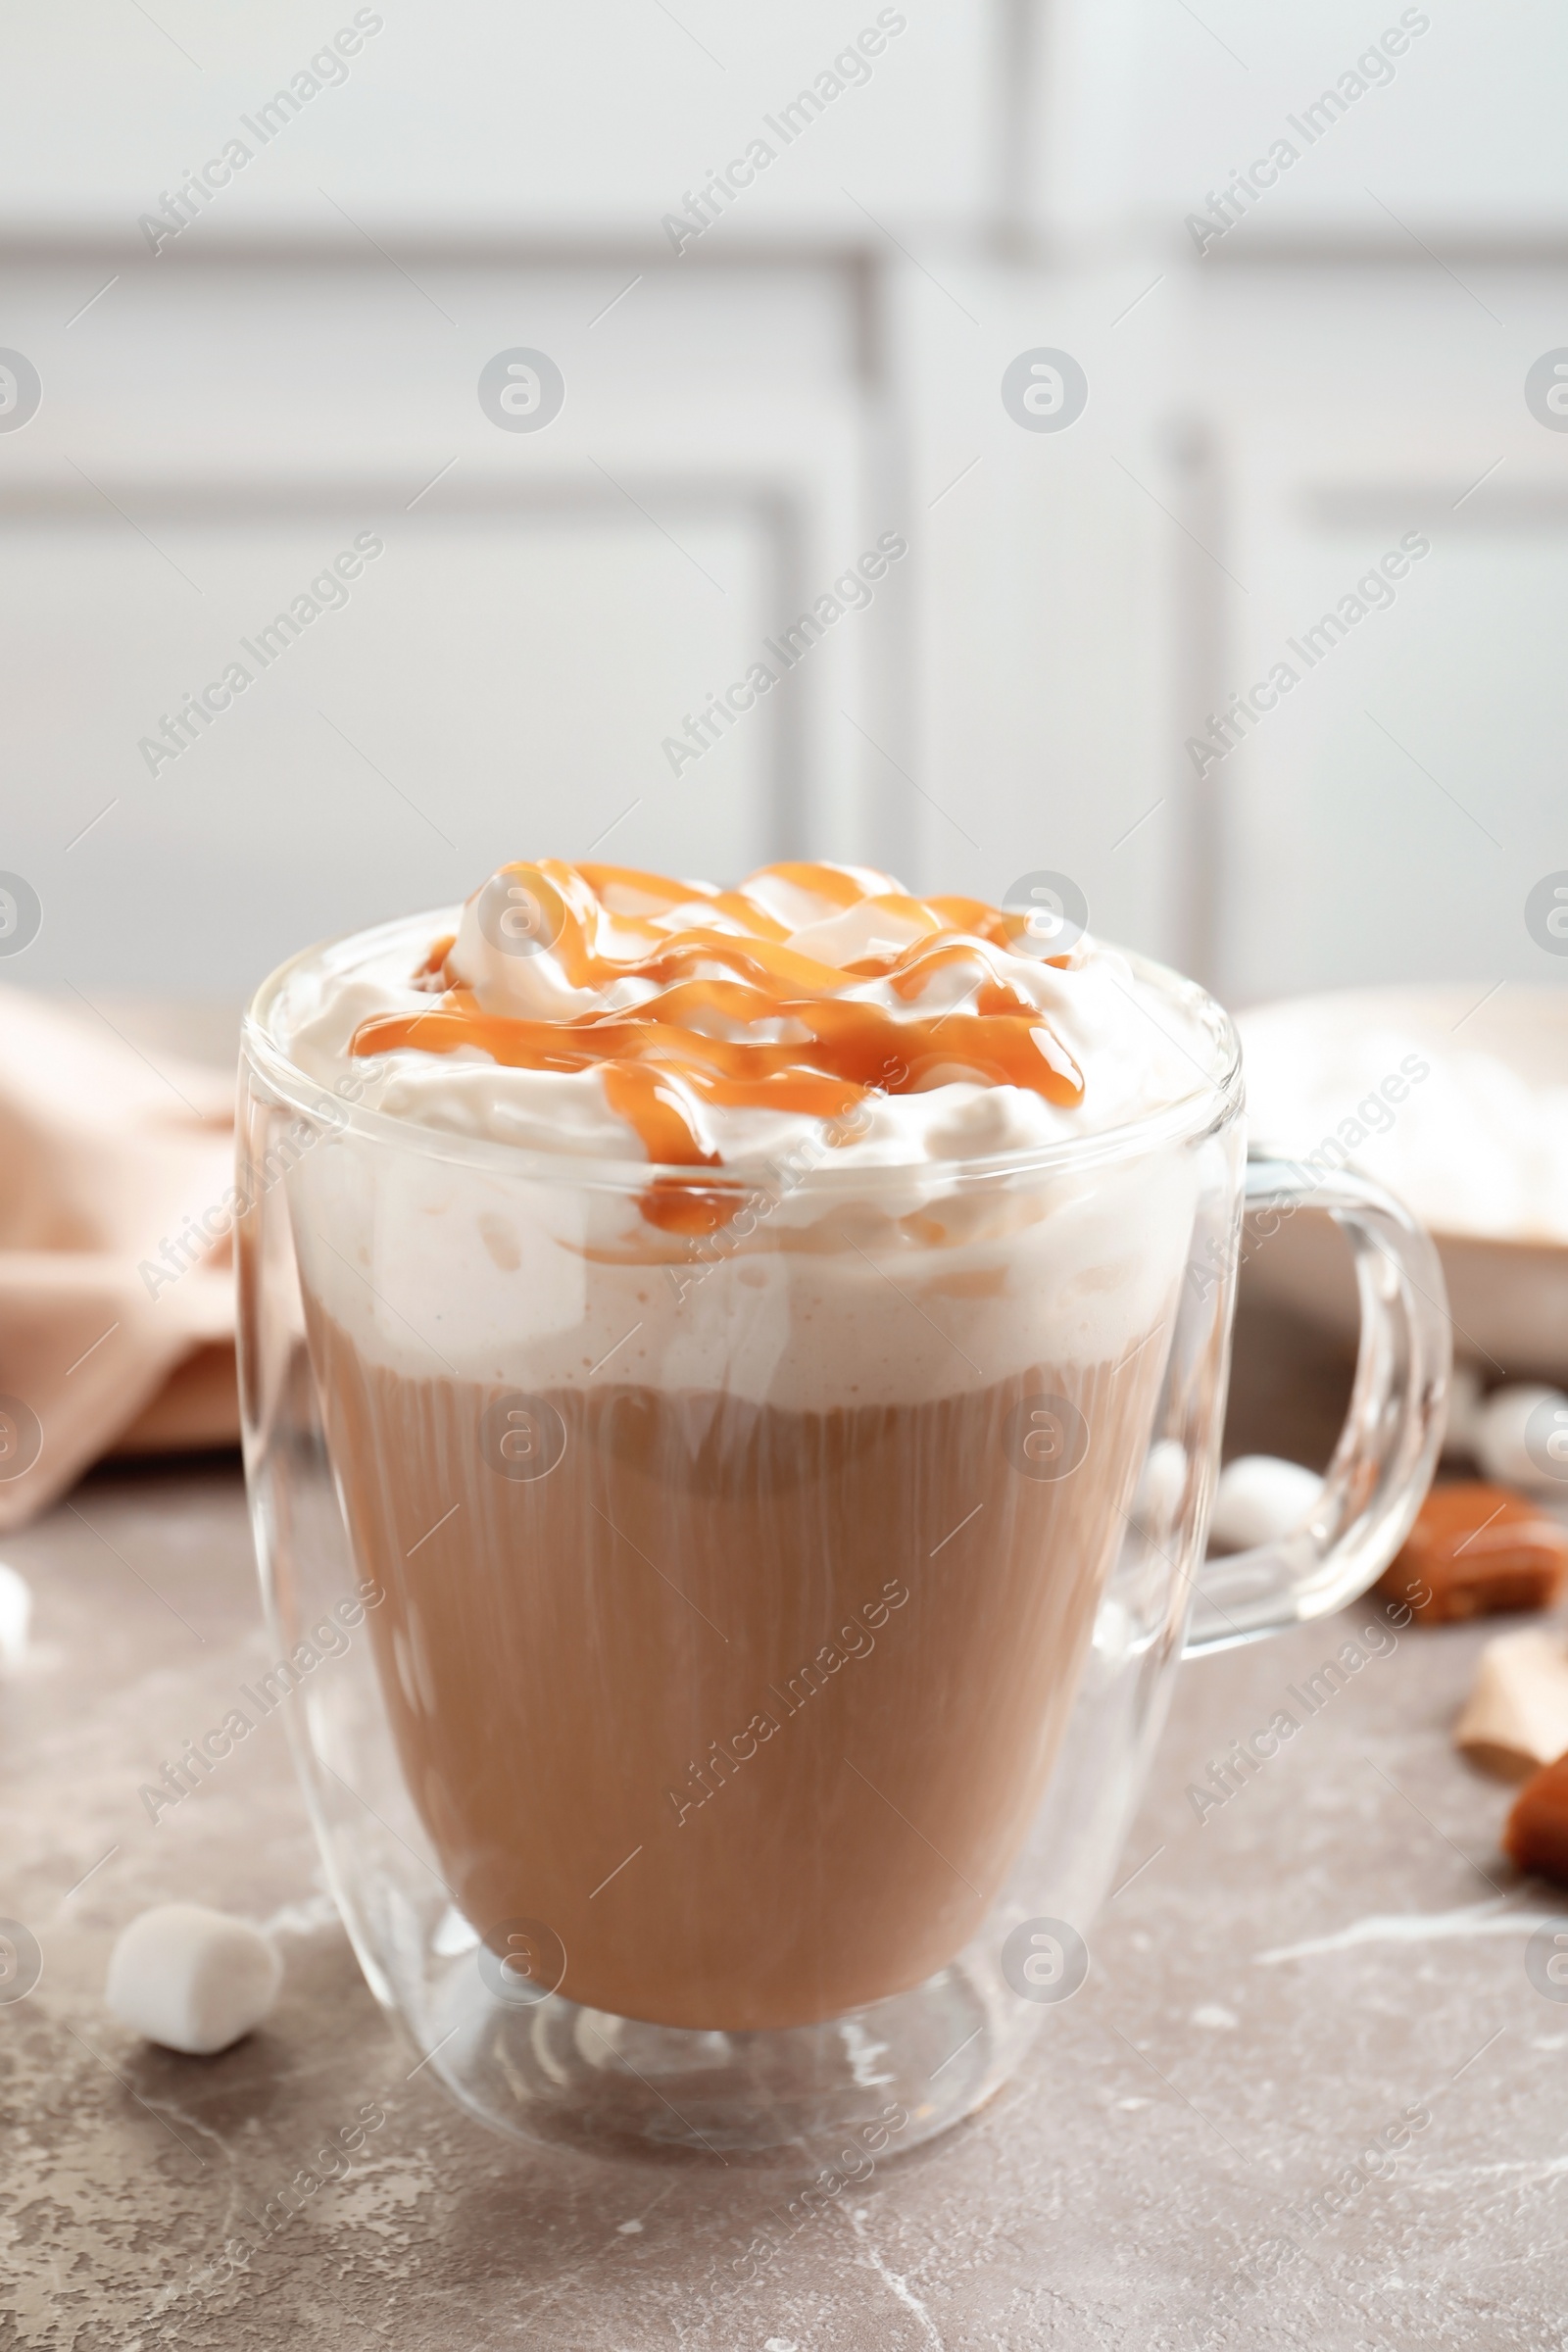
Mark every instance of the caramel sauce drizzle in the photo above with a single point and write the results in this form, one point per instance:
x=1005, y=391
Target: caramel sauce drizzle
x=817, y=1049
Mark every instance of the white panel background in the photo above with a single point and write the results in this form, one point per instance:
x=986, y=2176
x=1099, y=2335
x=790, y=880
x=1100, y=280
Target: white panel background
x=819, y=367
x=595, y=119
x=1148, y=105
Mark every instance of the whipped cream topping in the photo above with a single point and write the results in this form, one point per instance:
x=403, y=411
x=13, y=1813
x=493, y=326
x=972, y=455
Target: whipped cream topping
x=604, y=1013
x=817, y=1018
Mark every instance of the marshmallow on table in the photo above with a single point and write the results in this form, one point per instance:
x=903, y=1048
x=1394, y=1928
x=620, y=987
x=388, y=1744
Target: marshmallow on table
x=1161, y=1485
x=1461, y=1428
x=192, y=1979
x=1516, y=1717
x=16, y=1615
x=1258, y=1497
x=1507, y=1446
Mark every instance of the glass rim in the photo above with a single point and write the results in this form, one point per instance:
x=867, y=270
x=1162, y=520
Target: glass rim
x=1210, y=1102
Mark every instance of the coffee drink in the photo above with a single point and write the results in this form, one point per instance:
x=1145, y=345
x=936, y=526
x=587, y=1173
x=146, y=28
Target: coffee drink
x=739, y=1407
x=750, y=1708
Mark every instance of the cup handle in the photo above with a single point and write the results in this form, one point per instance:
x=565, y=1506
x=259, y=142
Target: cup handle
x=1388, y=1448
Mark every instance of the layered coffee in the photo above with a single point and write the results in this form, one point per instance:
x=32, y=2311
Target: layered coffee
x=739, y=1405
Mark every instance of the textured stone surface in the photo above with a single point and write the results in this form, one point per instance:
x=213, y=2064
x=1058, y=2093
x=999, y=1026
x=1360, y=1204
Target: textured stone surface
x=1149, y=2182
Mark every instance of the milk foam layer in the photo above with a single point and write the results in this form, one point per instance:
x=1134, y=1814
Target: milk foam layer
x=921, y=1283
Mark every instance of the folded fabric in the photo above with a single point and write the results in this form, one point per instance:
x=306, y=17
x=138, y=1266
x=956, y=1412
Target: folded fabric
x=116, y=1297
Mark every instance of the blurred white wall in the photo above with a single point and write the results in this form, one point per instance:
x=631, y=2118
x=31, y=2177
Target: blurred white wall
x=1345, y=367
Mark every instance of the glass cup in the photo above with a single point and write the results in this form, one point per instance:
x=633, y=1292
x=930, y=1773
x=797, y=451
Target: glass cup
x=724, y=1619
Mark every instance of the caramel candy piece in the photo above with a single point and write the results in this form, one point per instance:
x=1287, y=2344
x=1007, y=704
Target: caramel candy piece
x=1475, y=1549
x=1536, y=1834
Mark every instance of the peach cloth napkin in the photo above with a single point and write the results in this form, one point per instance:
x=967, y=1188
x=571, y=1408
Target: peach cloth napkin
x=117, y=1312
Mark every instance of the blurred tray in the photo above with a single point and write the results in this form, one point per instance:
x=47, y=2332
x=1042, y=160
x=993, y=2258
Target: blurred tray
x=1507, y=1294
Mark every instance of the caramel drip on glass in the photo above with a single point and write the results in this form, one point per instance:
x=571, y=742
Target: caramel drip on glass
x=736, y=1016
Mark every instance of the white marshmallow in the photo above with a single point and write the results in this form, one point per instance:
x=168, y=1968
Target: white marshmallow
x=16, y=1615
x=1161, y=1487
x=1258, y=1497
x=1516, y=1717
x=1464, y=1413
x=1501, y=1429
x=192, y=1979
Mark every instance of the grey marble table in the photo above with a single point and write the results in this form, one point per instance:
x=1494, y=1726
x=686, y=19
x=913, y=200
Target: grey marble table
x=1183, y=2163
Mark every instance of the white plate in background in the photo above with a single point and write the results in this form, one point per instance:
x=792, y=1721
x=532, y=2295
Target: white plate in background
x=1478, y=1148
